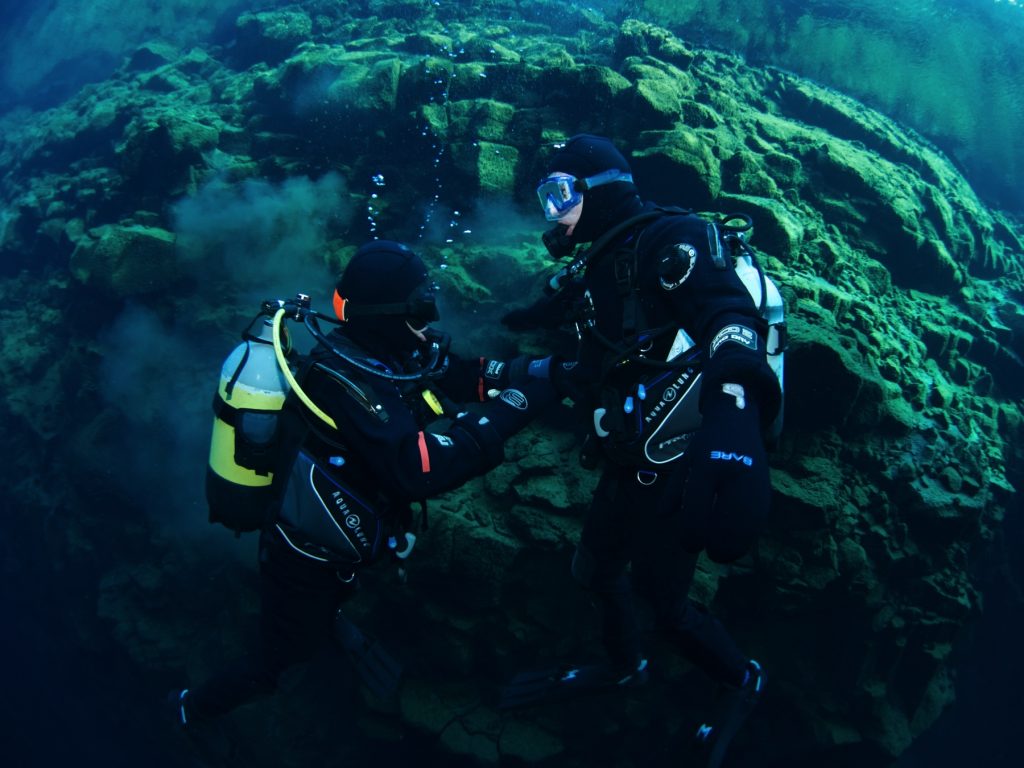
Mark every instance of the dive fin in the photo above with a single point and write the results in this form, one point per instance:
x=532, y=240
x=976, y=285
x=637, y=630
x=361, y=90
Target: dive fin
x=740, y=702
x=568, y=682
x=380, y=672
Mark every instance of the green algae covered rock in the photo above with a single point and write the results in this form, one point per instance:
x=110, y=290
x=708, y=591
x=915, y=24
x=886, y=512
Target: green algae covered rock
x=126, y=261
x=152, y=55
x=493, y=165
x=637, y=38
x=159, y=152
x=903, y=432
x=678, y=165
x=485, y=119
x=659, y=91
x=271, y=35
x=330, y=83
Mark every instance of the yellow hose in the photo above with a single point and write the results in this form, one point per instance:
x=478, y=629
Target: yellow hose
x=283, y=363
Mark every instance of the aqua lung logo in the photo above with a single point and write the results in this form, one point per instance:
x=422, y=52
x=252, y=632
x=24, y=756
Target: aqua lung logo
x=669, y=395
x=672, y=442
x=352, y=520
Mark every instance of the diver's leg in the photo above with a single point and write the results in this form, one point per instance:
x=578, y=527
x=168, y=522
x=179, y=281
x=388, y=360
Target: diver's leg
x=663, y=573
x=599, y=565
x=298, y=603
x=601, y=561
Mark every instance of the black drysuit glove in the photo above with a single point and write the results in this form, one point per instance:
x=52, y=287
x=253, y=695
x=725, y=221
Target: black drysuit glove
x=561, y=373
x=490, y=424
x=728, y=490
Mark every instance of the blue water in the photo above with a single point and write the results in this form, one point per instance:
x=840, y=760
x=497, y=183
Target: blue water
x=70, y=698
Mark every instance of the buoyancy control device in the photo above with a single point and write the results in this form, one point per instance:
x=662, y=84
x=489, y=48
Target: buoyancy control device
x=247, y=407
x=654, y=421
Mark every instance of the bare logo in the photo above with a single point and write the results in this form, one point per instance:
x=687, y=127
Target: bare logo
x=730, y=456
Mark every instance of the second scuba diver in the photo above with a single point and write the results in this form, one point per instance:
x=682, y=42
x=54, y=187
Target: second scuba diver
x=668, y=333
x=373, y=423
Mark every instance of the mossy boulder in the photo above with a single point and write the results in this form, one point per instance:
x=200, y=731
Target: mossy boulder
x=151, y=55
x=271, y=36
x=659, y=91
x=638, y=38
x=404, y=10
x=677, y=165
x=486, y=49
x=483, y=119
x=327, y=82
x=493, y=165
x=126, y=261
x=159, y=152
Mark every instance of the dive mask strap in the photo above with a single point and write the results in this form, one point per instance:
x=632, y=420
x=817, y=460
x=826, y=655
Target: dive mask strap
x=605, y=177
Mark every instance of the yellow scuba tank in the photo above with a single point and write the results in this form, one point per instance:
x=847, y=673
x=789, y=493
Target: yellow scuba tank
x=243, y=447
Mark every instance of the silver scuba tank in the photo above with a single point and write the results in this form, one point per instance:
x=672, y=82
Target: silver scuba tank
x=247, y=408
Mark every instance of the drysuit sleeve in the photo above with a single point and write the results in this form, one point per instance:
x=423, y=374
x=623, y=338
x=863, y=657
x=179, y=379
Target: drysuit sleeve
x=408, y=463
x=715, y=308
x=469, y=380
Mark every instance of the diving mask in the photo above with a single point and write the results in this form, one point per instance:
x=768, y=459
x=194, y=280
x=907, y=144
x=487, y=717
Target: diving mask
x=561, y=192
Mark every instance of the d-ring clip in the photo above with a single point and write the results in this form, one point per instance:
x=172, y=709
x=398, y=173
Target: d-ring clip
x=646, y=477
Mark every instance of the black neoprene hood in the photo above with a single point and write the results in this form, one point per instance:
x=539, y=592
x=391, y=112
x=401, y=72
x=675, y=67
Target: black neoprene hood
x=587, y=155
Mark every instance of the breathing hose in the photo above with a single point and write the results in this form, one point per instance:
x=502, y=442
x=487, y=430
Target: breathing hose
x=283, y=364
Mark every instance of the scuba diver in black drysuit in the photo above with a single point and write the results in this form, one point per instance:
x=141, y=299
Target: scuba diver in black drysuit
x=654, y=286
x=369, y=427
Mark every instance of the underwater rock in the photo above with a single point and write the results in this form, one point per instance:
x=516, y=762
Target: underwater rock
x=485, y=119
x=903, y=443
x=403, y=10
x=151, y=55
x=270, y=36
x=158, y=154
x=659, y=92
x=638, y=38
x=677, y=164
x=127, y=261
x=492, y=165
x=486, y=48
x=31, y=341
